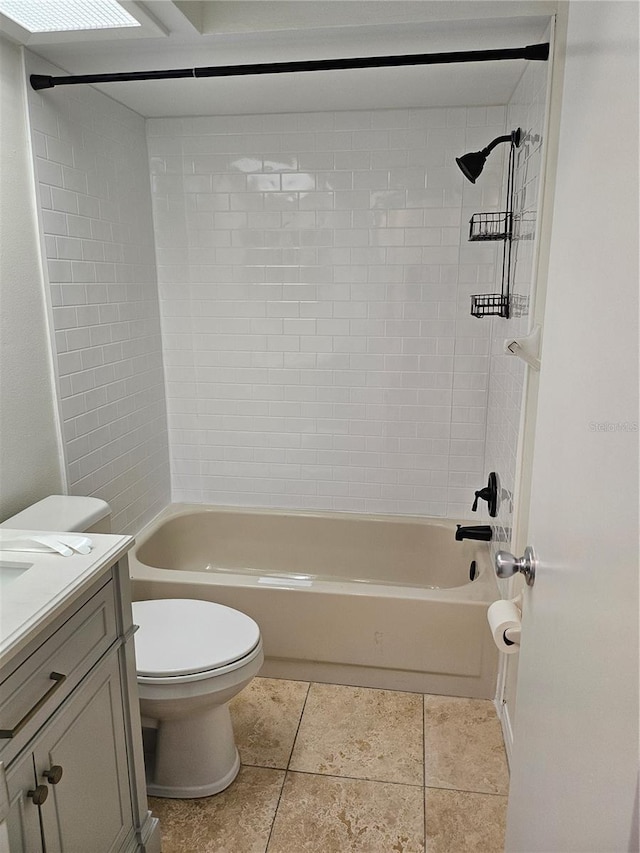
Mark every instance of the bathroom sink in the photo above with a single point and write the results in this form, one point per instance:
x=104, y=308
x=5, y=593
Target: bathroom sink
x=12, y=569
x=36, y=586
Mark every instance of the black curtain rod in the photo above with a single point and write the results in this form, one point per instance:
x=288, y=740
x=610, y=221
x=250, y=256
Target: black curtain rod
x=533, y=51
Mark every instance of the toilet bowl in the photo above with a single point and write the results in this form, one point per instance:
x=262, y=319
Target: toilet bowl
x=192, y=658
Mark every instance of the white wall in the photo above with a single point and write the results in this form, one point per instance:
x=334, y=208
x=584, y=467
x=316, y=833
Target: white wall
x=91, y=163
x=30, y=465
x=315, y=276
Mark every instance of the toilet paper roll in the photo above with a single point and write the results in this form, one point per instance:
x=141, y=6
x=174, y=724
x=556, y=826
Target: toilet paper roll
x=504, y=615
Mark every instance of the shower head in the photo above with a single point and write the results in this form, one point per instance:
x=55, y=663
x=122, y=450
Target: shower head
x=472, y=164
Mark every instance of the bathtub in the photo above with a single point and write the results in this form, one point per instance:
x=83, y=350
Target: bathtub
x=370, y=601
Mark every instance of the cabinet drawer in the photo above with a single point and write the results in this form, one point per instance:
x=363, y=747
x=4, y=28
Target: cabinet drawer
x=32, y=692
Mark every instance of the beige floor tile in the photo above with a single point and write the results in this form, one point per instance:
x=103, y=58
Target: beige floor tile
x=325, y=814
x=464, y=748
x=461, y=822
x=237, y=820
x=265, y=719
x=362, y=733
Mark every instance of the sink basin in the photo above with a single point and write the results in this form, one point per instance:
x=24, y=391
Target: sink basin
x=12, y=569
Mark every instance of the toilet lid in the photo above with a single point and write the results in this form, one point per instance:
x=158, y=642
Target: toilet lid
x=181, y=636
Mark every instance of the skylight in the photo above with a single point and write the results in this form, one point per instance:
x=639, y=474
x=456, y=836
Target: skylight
x=67, y=15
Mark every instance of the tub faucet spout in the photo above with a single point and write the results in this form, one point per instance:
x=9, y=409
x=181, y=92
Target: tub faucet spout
x=481, y=532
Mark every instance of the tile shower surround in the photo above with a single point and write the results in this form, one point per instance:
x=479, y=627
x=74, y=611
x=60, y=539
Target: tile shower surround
x=314, y=278
x=526, y=110
x=91, y=166
x=93, y=363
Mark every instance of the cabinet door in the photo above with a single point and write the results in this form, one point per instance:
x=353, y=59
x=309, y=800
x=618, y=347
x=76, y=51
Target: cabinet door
x=89, y=809
x=23, y=821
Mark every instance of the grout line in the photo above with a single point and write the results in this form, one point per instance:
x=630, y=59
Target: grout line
x=275, y=811
x=424, y=771
x=286, y=769
x=424, y=744
x=380, y=781
x=466, y=791
x=356, y=779
x=295, y=738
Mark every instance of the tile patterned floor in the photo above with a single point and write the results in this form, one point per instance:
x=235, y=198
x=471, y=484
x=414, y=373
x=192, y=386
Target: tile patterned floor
x=332, y=769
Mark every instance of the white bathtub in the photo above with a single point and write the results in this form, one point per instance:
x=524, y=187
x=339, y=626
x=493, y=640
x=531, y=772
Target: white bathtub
x=372, y=601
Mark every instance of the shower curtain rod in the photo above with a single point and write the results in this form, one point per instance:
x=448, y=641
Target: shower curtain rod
x=533, y=51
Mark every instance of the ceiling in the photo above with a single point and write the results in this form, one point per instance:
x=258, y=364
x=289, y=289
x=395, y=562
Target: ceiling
x=242, y=31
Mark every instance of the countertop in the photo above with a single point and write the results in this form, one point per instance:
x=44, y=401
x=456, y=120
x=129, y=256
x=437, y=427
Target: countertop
x=31, y=599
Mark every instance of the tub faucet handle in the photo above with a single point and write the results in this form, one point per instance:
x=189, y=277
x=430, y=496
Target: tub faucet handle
x=484, y=494
x=489, y=494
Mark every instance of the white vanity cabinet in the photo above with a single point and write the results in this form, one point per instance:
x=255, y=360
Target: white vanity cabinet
x=70, y=735
x=23, y=822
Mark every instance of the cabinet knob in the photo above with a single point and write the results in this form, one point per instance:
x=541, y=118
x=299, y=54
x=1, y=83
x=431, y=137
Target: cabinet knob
x=53, y=774
x=39, y=794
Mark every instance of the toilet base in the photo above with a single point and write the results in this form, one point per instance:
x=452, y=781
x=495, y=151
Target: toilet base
x=188, y=793
x=194, y=756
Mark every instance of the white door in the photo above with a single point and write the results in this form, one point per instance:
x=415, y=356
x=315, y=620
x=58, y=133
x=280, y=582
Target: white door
x=575, y=754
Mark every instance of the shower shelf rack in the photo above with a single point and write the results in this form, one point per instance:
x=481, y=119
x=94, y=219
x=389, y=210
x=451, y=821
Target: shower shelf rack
x=497, y=226
x=494, y=227
x=487, y=304
x=491, y=226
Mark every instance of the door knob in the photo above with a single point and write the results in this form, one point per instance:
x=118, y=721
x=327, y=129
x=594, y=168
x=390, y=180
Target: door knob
x=507, y=565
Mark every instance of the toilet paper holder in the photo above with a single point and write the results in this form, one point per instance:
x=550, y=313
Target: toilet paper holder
x=507, y=565
x=512, y=635
x=505, y=622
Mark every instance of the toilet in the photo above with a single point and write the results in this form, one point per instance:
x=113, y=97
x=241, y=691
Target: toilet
x=192, y=658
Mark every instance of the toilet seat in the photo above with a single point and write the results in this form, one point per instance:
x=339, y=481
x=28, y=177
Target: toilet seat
x=188, y=640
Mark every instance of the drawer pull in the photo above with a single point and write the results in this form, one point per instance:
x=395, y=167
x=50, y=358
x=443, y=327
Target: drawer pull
x=59, y=678
x=39, y=795
x=53, y=774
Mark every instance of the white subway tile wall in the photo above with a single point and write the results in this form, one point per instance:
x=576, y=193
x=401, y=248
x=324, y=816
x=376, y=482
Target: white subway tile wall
x=91, y=164
x=526, y=110
x=314, y=278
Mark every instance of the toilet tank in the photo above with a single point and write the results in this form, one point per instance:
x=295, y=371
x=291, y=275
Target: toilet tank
x=64, y=513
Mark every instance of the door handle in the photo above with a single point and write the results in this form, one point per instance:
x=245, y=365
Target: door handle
x=507, y=565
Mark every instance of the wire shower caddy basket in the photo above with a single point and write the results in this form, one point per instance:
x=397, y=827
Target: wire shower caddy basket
x=491, y=226
x=497, y=227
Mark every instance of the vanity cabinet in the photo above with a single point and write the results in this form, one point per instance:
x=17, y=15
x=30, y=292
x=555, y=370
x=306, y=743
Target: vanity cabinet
x=23, y=821
x=70, y=735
